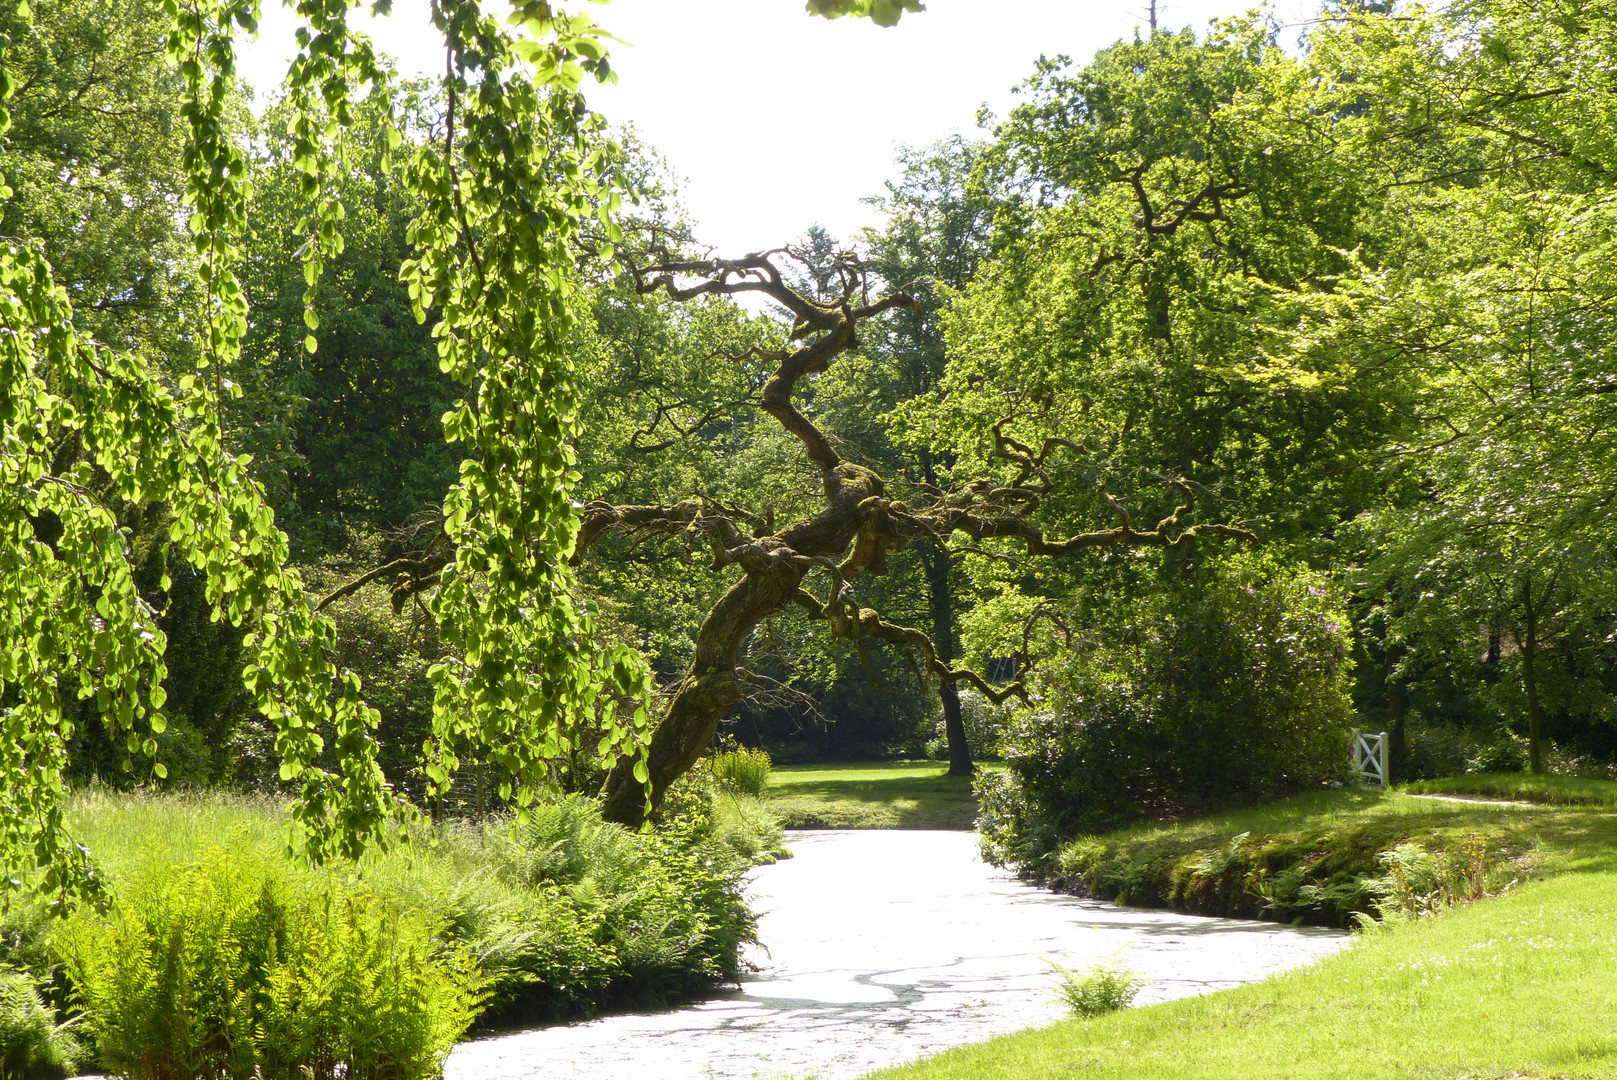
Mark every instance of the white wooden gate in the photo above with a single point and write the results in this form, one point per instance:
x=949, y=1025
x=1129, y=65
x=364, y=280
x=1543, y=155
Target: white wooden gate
x=1368, y=754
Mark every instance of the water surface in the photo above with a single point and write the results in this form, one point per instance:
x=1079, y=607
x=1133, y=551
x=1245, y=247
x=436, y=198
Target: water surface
x=879, y=946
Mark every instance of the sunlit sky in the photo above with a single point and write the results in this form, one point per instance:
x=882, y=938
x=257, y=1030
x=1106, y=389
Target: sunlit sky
x=773, y=120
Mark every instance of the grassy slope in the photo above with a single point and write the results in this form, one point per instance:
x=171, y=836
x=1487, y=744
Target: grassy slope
x=130, y=835
x=1524, y=985
x=1251, y=863
x=884, y=795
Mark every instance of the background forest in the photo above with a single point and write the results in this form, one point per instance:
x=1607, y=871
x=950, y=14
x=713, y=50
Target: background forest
x=1351, y=294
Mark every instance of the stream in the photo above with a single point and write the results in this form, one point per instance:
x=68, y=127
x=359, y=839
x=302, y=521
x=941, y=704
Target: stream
x=880, y=946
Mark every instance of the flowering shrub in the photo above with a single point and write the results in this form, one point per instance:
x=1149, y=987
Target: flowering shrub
x=1231, y=690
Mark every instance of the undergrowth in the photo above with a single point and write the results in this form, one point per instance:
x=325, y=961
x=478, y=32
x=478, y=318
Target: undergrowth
x=222, y=956
x=33, y=1045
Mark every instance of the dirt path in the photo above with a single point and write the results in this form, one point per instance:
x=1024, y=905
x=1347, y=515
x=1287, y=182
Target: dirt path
x=1483, y=799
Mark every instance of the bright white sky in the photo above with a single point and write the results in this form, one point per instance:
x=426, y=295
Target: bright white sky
x=774, y=120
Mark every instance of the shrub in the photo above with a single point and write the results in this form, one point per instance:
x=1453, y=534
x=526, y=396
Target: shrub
x=1104, y=988
x=742, y=772
x=1563, y=761
x=1435, y=750
x=537, y=948
x=663, y=910
x=361, y=991
x=32, y=1045
x=1235, y=691
x=558, y=915
x=25, y=927
x=691, y=801
x=1506, y=754
x=750, y=828
x=225, y=969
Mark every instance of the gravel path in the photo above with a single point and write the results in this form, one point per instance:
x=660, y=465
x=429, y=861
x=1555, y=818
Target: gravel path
x=882, y=946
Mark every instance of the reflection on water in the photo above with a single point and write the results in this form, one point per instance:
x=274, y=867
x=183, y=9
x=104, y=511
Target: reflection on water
x=880, y=946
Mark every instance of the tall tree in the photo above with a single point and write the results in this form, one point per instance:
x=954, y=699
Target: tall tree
x=937, y=230
x=348, y=439
x=1163, y=218
x=93, y=161
x=1492, y=523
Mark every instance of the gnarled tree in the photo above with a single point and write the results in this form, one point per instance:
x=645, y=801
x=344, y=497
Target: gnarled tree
x=814, y=563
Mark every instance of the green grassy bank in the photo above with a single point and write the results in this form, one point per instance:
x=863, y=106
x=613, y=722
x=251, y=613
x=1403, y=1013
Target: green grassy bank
x=1522, y=984
x=1318, y=858
x=882, y=795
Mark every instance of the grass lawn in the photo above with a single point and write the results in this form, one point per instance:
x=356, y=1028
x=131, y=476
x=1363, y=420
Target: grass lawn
x=1520, y=985
x=882, y=795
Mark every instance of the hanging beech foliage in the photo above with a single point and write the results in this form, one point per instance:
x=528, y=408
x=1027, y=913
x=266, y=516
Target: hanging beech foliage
x=513, y=172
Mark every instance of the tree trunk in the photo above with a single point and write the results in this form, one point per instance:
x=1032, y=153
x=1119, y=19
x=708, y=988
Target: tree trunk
x=711, y=687
x=1490, y=659
x=1397, y=706
x=708, y=691
x=943, y=637
x=1535, y=732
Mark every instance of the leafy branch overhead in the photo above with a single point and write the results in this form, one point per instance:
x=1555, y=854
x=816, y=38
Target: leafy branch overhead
x=519, y=167
x=881, y=12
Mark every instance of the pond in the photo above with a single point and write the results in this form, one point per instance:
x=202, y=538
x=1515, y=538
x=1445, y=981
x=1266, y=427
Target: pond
x=879, y=946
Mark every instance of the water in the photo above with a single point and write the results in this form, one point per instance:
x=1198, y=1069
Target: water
x=881, y=946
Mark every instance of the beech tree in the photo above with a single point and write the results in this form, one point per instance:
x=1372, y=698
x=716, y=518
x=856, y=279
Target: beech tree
x=515, y=165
